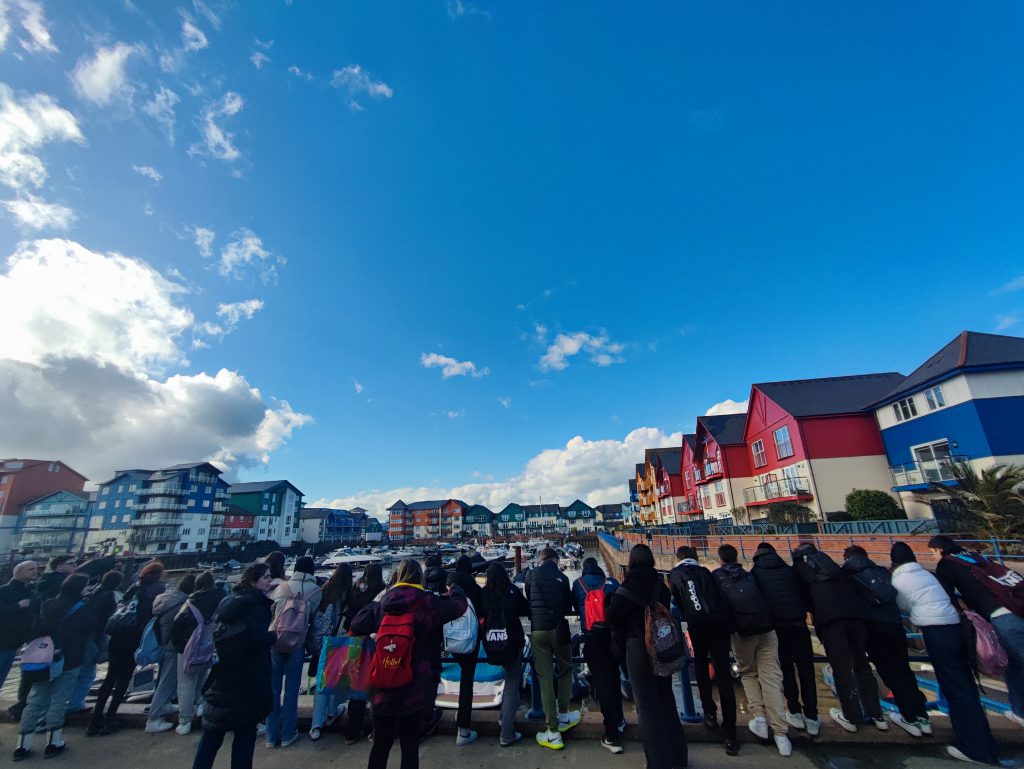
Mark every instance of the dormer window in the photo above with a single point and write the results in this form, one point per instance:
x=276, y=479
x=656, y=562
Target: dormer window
x=905, y=409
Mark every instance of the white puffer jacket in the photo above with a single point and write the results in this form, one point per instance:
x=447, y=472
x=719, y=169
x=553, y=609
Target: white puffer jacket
x=921, y=596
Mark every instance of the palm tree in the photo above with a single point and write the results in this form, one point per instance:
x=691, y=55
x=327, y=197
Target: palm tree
x=992, y=499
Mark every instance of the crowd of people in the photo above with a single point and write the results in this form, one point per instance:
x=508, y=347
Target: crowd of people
x=235, y=659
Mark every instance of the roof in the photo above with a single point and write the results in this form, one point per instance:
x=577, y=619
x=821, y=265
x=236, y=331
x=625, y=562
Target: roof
x=119, y=473
x=80, y=494
x=726, y=429
x=610, y=509
x=632, y=484
x=969, y=350
x=399, y=505
x=671, y=460
x=428, y=505
x=25, y=464
x=551, y=509
x=191, y=465
x=831, y=395
x=641, y=468
x=690, y=439
x=260, y=486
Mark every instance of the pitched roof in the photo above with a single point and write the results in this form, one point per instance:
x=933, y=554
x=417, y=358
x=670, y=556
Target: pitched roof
x=260, y=486
x=610, y=509
x=399, y=505
x=830, y=395
x=84, y=496
x=726, y=429
x=641, y=468
x=190, y=465
x=632, y=484
x=690, y=439
x=969, y=350
x=671, y=459
x=427, y=505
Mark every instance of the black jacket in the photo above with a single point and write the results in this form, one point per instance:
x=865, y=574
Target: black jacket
x=888, y=612
x=15, y=622
x=238, y=691
x=102, y=603
x=956, y=577
x=832, y=598
x=206, y=601
x=48, y=585
x=435, y=579
x=748, y=609
x=514, y=605
x=549, y=594
x=69, y=630
x=679, y=583
x=463, y=577
x=625, y=616
x=781, y=588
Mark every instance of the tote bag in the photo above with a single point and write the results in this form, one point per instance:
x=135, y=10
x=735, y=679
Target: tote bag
x=345, y=666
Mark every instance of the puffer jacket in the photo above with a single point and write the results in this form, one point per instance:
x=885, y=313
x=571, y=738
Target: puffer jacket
x=430, y=613
x=463, y=577
x=550, y=597
x=887, y=612
x=15, y=621
x=832, y=598
x=70, y=630
x=920, y=595
x=781, y=588
x=165, y=607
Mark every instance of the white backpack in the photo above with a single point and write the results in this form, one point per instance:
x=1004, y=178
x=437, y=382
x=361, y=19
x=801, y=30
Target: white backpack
x=460, y=634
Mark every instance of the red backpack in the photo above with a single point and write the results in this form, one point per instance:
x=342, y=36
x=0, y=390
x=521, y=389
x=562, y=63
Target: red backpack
x=1006, y=585
x=593, y=607
x=391, y=667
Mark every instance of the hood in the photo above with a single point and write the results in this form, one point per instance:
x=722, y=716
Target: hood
x=688, y=562
x=857, y=563
x=235, y=605
x=766, y=559
x=642, y=578
x=168, y=600
x=593, y=570
x=803, y=550
x=906, y=568
x=732, y=570
x=206, y=600
x=465, y=563
x=399, y=600
x=434, y=573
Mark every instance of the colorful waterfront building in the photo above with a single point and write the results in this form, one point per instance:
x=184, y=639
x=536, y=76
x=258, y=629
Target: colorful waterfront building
x=669, y=480
x=578, y=517
x=178, y=506
x=54, y=524
x=112, y=509
x=25, y=480
x=269, y=510
x=478, y=521
x=691, y=507
x=510, y=521
x=722, y=463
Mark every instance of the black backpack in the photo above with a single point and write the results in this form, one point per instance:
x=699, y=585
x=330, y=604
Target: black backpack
x=749, y=609
x=876, y=589
x=696, y=593
x=496, y=641
x=823, y=567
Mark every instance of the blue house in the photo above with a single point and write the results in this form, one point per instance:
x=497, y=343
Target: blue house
x=177, y=509
x=112, y=510
x=964, y=404
x=54, y=524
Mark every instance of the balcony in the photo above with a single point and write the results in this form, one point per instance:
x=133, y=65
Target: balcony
x=796, y=489
x=152, y=536
x=712, y=469
x=221, y=494
x=169, y=489
x=159, y=507
x=923, y=473
x=169, y=519
x=686, y=508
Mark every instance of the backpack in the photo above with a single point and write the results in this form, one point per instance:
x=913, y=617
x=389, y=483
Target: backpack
x=991, y=656
x=823, y=567
x=391, y=667
x=697, y=593
x=125, y=619
x=149, y=651
x=1005, y=584
x=876, y=589
x=497, y=644
x=42, y=659
x=750, y=612
x=292, y=622
x=593, y=608
x=666, y=647
x=200, y=653
x=461, y=633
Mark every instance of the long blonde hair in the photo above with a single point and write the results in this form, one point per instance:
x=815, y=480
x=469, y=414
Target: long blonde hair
x=409, y=572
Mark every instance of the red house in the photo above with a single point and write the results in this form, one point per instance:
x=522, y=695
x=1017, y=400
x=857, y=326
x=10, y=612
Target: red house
x=721, y=462
x=691, y=504
x=669, y=485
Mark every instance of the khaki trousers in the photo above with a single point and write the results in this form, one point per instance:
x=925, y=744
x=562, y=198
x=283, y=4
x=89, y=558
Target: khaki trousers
x=761, y=675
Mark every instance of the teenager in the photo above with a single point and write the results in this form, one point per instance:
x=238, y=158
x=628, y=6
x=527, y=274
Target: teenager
x=335, y=600
x=365, y=590
x=204, y=599
x=500, y=597
x=463, y=577
x=165, y=608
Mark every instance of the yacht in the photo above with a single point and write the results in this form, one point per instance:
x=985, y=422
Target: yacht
x=355, y=560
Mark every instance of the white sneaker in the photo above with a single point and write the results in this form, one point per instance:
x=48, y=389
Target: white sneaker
x=184, y=728
x=1014, y=717
x=956, y=753
x=261, y=729
x=567, y=721
x=881, y=724
x=924, y=725
x=913, y=729
x=796, y=720
x=465, y=736
x=839, y=718
x=290, y=740
x=759, y=726
x=158, y=725
x=551, y=740
x=784, y=745
x=813, y=726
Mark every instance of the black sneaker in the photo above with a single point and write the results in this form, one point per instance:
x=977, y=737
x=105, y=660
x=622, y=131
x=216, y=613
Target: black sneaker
x=20, y=754
x=611, y=744
x=52, y=751
x=710, y=721
x=430, y=723
x=93, y=729
x=732, y=747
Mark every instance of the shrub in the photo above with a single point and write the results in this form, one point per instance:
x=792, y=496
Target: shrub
x=872, y=505
x=789, y=512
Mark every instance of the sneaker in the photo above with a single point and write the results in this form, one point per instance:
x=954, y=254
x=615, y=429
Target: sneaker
x=158, y=725
x=759, y=726
x=286, y=742
x=261, y=729
x=20, y=754
x=813, y=726
x=732, y=747
x=956, y=753
x=518, y=736
x=52, y=751
x=910, y=728
x=185, y=727
x=924, y=725
x=1014, y=717
x=551, y=740
x=881, y=724
x=622, y=727
x=612, y=745
x=465, y=737
x=840, y=719
x=796, y=720
x=710, y=721
x=271, y=744
x=314, y=733
x=567, y=721
x=430, y=725
x=784, y=745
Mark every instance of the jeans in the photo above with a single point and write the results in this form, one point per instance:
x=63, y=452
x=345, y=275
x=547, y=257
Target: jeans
x=947, y=651
x=48, y=702
x=467, y=670
x=86, y=677
x=761, y=676
x=796, y=656
x=407, y=729
x=285, y=679
x=604, y=672
x=325, y=705
x=846, y=647
x=713, y=640
x=241, y=748
x=510, y=699
x=166, y=683
x=190, y=694
x=554, y=695
x=1010, y=631
x=6, y=660
x=887, y=649
x=660, y=730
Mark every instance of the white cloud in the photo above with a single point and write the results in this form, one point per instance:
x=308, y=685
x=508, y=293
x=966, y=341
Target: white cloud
x=459, y=8
x=34, y=23
x=266, y=45
x=218, y=143
x=204, y=240
x=355, y=81
x=1017, y=284
x=192, y=38
x=451, y=367
x=728, y=406
x=5, y=26
x=602, y=351
x=1006, y=322
x=149, y=172
x=34, y=213
x=299, y=73
x=230, y=315
x=161, y=109
x=258, y=59
x=203, y=10
x=596, y=471
x=246, y=249
x=26, y=125
x=81, y=374
x=357, y=386
x=505, y=402
x=454, y=414
x=102, y=78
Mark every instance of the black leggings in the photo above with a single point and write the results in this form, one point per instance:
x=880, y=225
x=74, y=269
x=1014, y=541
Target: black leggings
x=120, y=670
x=407, y=728
x=241, y=748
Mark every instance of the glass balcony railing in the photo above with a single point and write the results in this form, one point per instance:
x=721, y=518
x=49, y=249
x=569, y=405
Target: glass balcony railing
x=784, y=488
x=163, y=488
x=158, y=519
x=930, y=471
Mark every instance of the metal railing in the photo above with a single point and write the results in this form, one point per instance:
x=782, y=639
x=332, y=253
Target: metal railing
x=783, y=488
x=929, y=471
x=165, y=488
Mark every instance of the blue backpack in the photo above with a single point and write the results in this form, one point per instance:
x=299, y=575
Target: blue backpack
x=149, y=651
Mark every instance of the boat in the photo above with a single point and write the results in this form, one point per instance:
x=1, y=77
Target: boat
x=355, y=560
x=495, y=553
x=488, y=685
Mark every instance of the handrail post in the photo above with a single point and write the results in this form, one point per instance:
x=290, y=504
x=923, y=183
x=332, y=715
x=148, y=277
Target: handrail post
x=995, y=549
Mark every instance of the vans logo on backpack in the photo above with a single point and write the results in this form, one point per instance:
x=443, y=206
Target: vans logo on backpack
x=497, y=635
x=1010, y=579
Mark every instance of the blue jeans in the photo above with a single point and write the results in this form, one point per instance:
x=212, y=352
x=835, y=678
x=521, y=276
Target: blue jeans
x=48, y=703
x=6, y=660
x=325, y=705
x=1010, y=631
x=86, y=677
x=285, y=678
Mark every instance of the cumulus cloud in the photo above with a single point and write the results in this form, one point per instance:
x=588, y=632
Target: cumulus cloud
x=204, y=240
x=34, y=213
x=192, y=38
x=356, y=81
x=596, y=471
x=161, y=109
x=81, y=376
x=602, y=351
x=244, y=250
x=451, y=367
x=33, y=21
x=258, y=59
x=229, y=315
x=149, y=172
x=728, y=406
x=28, y=123
x=101, y=78
x=218, y=143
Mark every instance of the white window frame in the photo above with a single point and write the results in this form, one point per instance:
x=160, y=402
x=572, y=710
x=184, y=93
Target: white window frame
x=758, y=452
x=905, y=409
x=779, y=444
x=934, y=398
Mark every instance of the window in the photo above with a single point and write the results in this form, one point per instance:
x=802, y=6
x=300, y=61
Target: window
x=3, y=479
x=783, y=445
x=125, y=518
x=719, y=494
x=206, y=503
x=129, y=503
x=54, y=467
x=707, y=496
x=934, y=397
x=103, y=505
x=934, y=460
x=120, y=489
x=905, y=409
x=191, y=503
x=117, y=503
x=185, y=532
x=193, y=488
x=183, y=545
x=105, y=490
x=757, y=449
x=133, y=487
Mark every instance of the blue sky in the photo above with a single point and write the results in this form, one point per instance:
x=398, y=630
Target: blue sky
x=619, y=215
